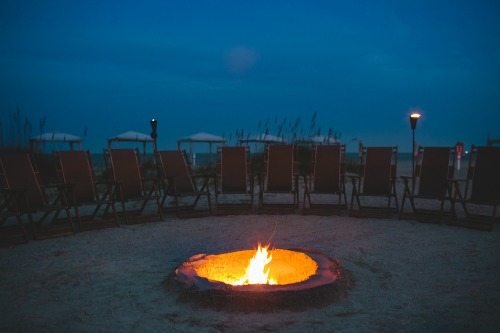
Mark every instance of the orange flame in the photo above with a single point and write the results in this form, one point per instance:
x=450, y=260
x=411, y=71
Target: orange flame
x=256, y=272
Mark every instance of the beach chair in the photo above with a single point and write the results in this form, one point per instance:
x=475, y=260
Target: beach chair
x=433, y=179
x=280, y=175
x=377, y=179
x=482, y=186
x=24, y=195
x=233, y=174
x=74, y=168
x=178, y=180
x=124, y=168
x=328, y=175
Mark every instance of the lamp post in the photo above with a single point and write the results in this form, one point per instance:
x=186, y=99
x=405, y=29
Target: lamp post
x=154, y=134
x=414, y=116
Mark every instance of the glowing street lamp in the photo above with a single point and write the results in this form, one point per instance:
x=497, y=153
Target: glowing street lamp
x=414, y=117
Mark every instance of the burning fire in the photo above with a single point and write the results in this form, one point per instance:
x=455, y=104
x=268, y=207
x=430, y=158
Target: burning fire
x=256, y=272
x=256, y=267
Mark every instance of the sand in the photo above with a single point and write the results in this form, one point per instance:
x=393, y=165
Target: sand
x=408, y=276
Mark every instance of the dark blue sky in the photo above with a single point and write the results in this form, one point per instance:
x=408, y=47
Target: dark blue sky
x=216, y=66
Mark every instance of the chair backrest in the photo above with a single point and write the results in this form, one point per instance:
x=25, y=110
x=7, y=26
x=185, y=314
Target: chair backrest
x=75, y=168
x=280, y=160
x=328, y=167
x=484, y=171
x=19, y=174
x=433, y=171
x=126, y=172
x=379, y=169
x=233, y=169
x=173, y=164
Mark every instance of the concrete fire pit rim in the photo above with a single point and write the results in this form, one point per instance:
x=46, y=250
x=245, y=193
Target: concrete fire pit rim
x=328, y=272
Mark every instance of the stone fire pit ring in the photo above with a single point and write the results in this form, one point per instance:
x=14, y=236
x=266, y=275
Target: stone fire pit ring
x=330, y=282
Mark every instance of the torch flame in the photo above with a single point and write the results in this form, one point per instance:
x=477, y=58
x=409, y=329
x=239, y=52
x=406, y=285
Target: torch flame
x=256, y=272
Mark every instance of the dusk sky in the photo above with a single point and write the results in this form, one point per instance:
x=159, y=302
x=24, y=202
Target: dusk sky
x=216, y=66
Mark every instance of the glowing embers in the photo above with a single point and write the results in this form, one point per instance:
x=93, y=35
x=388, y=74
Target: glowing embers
x=274, y=267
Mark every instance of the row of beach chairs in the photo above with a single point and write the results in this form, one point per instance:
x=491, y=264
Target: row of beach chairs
x=124, y=195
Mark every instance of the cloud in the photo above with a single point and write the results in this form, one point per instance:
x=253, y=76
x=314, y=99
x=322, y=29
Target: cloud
x=240, y=60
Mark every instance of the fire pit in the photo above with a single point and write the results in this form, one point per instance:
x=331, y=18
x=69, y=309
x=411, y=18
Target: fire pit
x=261, y=279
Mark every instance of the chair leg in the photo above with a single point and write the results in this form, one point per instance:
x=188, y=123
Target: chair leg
x=158, y=203
x=97, y=207
x=70, y=219
x=352, y=200
x=176, y=202
x=20, y=222
x=164, y=199
x=339, y=203
x=33, y=225
x=345, y=196
x=124, y=211
x=401, y=211
x=209, y=203
x=494, y=215
x=441, y=209
x=78, y=217
x=115, y=215
x=146, y=200
x=412, y=203
x=395, y=195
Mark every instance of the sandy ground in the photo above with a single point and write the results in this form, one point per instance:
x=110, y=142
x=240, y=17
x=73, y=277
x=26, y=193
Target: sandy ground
x=408, y=276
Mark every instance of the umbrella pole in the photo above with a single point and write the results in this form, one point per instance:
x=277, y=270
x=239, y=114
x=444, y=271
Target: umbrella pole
x=191, y=153
x=210, y=157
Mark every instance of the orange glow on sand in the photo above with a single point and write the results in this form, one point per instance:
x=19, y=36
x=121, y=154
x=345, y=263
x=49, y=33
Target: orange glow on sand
x=273, y=267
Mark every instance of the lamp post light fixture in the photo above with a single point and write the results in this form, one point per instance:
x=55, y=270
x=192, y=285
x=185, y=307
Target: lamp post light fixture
x=154, y=134
x=414, y=117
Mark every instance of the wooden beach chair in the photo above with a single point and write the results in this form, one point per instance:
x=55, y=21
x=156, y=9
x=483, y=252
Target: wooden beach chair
x=125, y=170
x=327, y=177
x=280, y=176
x=482, y=186
x=377, y=179
x=233, y=175
x=25, y=195
x=74, y=168
x=433, y=180
x=178, y=180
